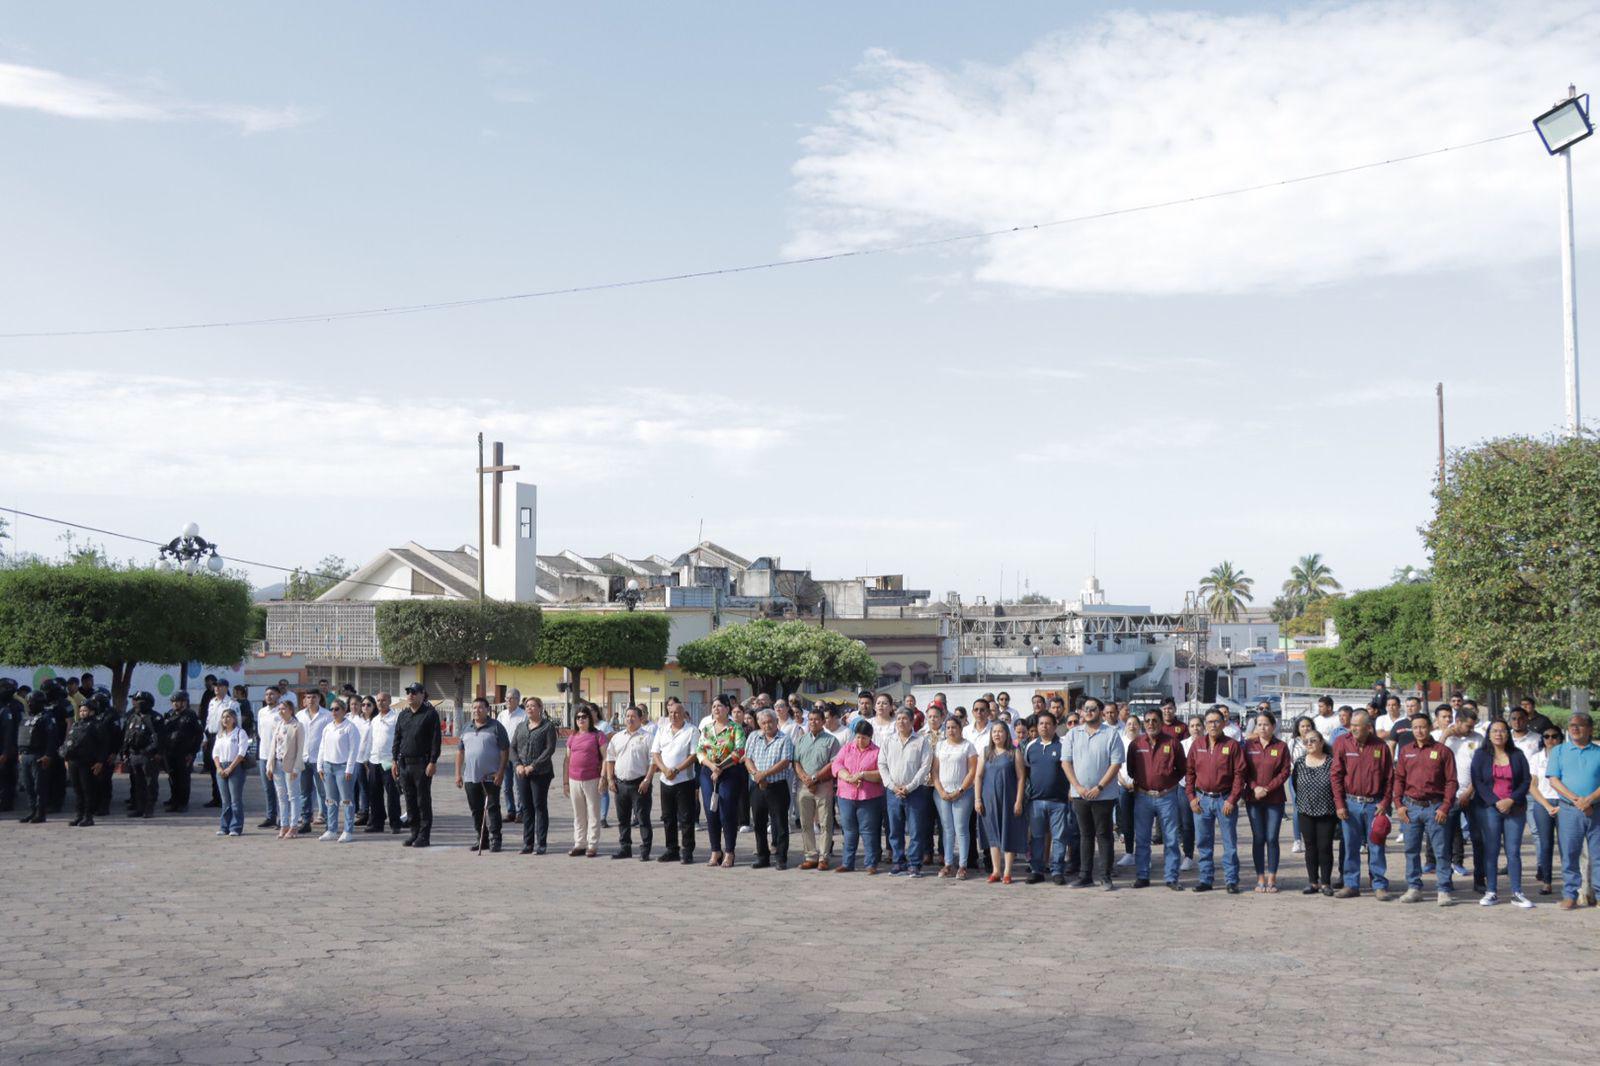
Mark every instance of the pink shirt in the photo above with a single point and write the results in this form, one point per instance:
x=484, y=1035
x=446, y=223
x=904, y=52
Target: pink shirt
x=584, y=754
x=852, y=759
x=1502, y=782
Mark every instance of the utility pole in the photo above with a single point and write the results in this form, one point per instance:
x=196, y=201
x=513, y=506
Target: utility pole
x=1569, y=321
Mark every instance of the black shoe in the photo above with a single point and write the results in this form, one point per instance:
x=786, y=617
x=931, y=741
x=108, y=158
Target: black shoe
x=373, y=829
x=1233, y=888
x=623, y=854
x=644, y=856
x=167, y=807
x=475, y=846
x=269, y=823
x=688, y=858
x=86, y=823
x=1083, y=882
x=1035, y=879
x=76, y=822
x=539, y=850
x=783, y=864
x=495, y=846
x=670, y=856
x=395, y=830
x=422, y=842
x=527, y=849
x=213, y=803
x=1172, y=885
x=1141, y=882
x=761, y=864
x=1327, y=890
x=409, y=842
x=178, y=810
x=1060, y=880
x=1108, y=885
x=131, y=814
x=1202, y=887
x=362, y=819
x=1309, y=890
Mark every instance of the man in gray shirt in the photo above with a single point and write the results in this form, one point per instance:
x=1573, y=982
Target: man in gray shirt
x=1092, y=755
x=480, y=767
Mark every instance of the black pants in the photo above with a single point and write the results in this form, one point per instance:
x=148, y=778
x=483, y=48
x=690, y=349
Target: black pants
x=678, y=810
x=1125, y=820
x=8, y=784
x=180, y=769
x=632, y=805
x=83, y=790
x=56, y=775
x=480, y=796
x=211, y=768
x=533, y=800
x=769, y=810
x=1317, y=833
x=418, y=788
x=383, y=793
x=35, y=786
x=1094, y=837
x=144, y=781
x=103, y=786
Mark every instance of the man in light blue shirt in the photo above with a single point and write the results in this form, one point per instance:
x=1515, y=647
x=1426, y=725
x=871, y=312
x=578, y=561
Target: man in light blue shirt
x=1574, y=772
x=1092, y=756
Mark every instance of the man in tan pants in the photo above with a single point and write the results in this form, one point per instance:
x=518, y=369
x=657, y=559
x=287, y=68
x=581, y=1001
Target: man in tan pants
x=813, y=755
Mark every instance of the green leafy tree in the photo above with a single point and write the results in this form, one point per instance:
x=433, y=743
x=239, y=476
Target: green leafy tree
x=1515, y=541
x=84, y=615
x=1309, y=622
x=304, y=585
x=1328, y=668
x=1226, y=591
x=1389, y=631
x=629, y=640
x=1309, y=581
x=1408, y=574
x=455, y=633
x=779, y=657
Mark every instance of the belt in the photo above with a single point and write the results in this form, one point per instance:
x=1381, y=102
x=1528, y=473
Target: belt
x=1157, y=793
x=1360, y=799
x=1424, y=800
x=1213, y=795
x=414, y=758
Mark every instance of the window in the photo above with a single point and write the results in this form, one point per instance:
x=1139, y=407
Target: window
x=889, y=674
x=525, y=523
x=920, y=674
x=1227, y=643
x=1261, y=642
x=380, y=679
x=422, y=585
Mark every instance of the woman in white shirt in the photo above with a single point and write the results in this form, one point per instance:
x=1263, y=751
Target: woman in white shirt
x=338, y=756
x=955, y=766
x=1543, y=808
x=229, y=751
x=283, y=767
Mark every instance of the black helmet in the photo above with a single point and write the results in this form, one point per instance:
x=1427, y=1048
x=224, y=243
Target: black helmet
x=143, y=701
x=100, y=702
x=36, y=702
x=8, y=687
x=181, y=694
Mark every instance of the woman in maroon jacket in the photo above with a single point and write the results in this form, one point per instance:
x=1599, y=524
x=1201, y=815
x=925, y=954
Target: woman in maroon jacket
x=1269, y=763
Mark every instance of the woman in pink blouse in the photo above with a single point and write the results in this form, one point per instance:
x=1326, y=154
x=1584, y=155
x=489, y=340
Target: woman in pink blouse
x=585, y=757
x=860, y=794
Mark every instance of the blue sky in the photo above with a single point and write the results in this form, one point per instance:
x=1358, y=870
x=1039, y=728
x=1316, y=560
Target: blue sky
x=1249, y=379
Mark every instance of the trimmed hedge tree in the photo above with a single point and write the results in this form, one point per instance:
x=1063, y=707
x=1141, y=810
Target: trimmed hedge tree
x=576, y=642
x=85, y=615
x=779, y=657
x=455, y=633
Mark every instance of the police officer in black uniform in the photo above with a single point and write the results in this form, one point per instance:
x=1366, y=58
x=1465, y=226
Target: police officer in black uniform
x=60, y=707
x=37, y=743
x=84, y=752
x=141, y=751
x=184, y=732
x=10, y=718
x=110, y=723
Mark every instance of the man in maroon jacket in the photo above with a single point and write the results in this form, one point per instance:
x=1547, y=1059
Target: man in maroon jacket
x=1215, y=778
x=1362, y=776
x=1423, y=792
x=1157, y=767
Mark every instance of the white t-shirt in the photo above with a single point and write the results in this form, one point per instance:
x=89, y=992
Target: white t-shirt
x=953, y=763
x=1537, y=763
x=1325, y=725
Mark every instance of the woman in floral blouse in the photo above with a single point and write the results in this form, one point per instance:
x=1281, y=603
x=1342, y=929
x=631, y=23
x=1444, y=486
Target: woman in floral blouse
x=722, y=778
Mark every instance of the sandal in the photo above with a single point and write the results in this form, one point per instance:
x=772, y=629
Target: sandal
x=1261, y=886
x=1272, y=889
x=716, y=859
x=727, y=861
x=993, y=878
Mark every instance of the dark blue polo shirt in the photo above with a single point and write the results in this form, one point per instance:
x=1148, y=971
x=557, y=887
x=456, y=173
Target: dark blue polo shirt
x=1046, y=779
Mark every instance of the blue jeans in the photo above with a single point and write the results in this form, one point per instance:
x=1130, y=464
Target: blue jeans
x=313, y=797
x=231, y=788
x=861, y=820
x=1356, y=830
x=1146, y=809
x=1544, y=841
x=722, y=824
x=341, y=793
x=1265, y=818
x=288, y=799
x=953, y=817
x=1500, y=828
x=268, y=787
x=1206, y=824
x=1054, y=813
x=909, y=817
x=1424, y=823
x=508, y=797
x=1574, y=827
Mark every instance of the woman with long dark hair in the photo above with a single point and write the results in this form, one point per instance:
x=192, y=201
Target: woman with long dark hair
x=1313, y=799
x=1264, y=798
x=1500, y=780
x=585, y=759
x=722, y=779
x=999, y=801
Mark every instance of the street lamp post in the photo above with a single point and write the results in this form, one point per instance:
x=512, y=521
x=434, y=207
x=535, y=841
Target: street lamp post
x=188, y=551
x=631, y=596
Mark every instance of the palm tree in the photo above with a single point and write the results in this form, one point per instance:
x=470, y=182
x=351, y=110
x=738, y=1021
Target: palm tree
x=1226, y=591
x=1309, y=579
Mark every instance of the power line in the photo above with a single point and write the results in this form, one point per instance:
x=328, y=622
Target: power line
x=774, y=264
x=227, y=558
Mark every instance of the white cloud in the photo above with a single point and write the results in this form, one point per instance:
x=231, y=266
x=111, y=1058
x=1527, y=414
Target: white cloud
x=282, y=438
x=1133, y=109
x=37, y=89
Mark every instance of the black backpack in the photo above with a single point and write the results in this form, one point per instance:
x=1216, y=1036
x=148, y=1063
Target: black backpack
x=137, y=736
x=33, y=735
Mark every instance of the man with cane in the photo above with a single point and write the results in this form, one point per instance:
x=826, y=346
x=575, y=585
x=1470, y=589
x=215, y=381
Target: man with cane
x=480, y=767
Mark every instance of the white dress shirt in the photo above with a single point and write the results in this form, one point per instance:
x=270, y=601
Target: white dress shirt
x=629, y=754
x=676, y=746
x=214, y=713
x=380, y=738
x=266, y=722
x=340, y=747
x=314, y=725
x=1538, y=762
x=229, y=746
x=1530, y=743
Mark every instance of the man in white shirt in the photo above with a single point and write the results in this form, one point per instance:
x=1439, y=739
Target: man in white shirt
x=904, y=763
x=628, y=773
x=672, y=754
x=1527, y=741
x=1391, y=716
x=266, y=721
x=383, y=791
x=220, y=701
x=1463, y=738
x=510, y=716
x=833, y=726
x=1325, y=720
x=314, y=717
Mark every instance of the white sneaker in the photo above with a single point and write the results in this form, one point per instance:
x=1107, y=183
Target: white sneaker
x=1126, y=860
x=1519, y=900
x=1186, y=864
x=345, y=837
x=1413, y=895
x=746, y=829
x=1445, y=899
x=222, y=832
x=329, y=835
x=1299, y=848
x=1489, y=900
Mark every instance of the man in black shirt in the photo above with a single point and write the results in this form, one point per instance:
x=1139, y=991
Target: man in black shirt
x=417, y=740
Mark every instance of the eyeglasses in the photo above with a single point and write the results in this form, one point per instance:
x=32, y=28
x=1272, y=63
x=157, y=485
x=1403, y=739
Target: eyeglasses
x=1552, y=736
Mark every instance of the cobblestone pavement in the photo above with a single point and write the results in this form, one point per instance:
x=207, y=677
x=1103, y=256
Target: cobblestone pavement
x=137, y=942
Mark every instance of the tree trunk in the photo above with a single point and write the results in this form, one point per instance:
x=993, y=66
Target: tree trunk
x=121, y=679
x=463, y=673
x=574, y=675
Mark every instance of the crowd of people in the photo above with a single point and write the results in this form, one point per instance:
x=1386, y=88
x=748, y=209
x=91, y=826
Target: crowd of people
x=909, y=791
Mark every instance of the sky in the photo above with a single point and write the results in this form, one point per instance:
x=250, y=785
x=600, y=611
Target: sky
x=1247, y=378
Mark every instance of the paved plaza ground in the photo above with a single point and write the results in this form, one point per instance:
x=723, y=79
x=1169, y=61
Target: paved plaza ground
x=136, y=942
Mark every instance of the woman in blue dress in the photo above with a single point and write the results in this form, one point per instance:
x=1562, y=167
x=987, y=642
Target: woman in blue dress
x=999, y=803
